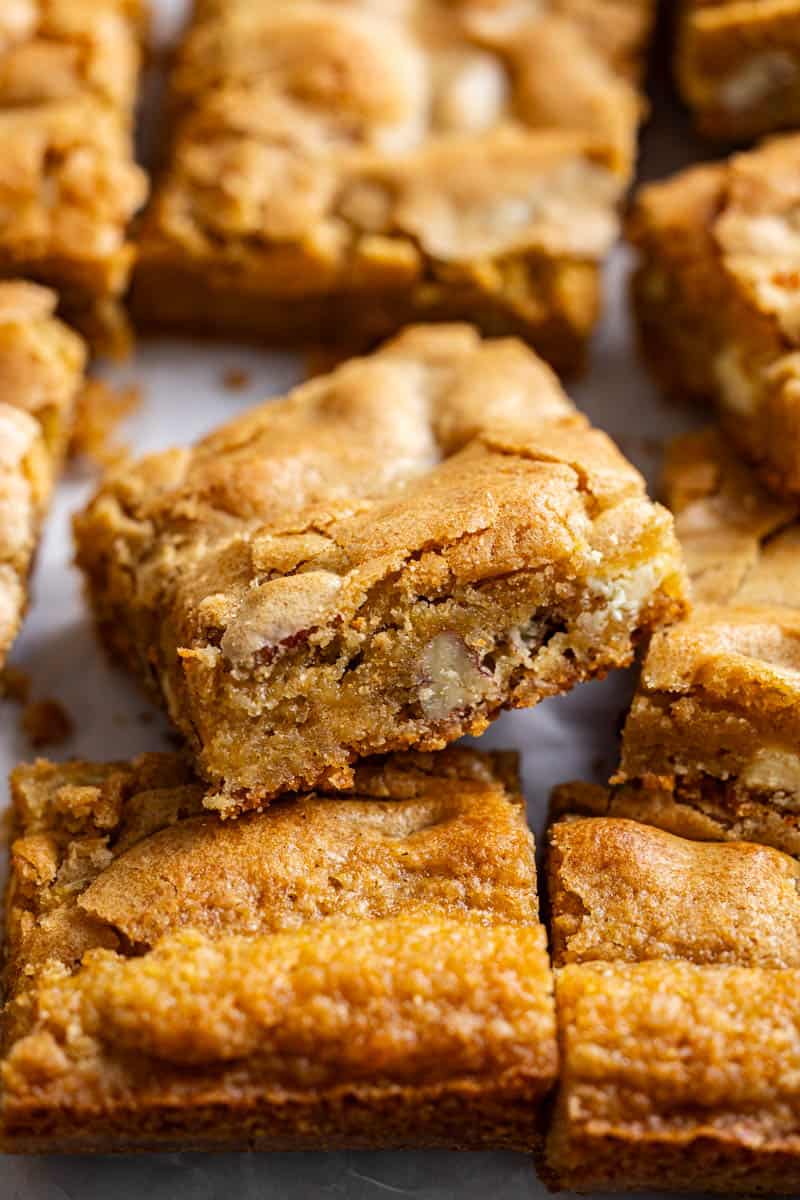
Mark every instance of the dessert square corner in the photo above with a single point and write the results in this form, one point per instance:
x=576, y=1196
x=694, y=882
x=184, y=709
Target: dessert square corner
x=383, y=560
x=356, y=972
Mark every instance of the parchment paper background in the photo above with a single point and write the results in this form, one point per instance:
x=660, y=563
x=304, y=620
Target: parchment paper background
x=568, y=737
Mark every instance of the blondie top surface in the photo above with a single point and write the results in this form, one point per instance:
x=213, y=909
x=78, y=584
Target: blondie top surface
x=717, y=298
x=41, y=372
x=357, y=971
x=738, y=65
x=307, y=194
x=678, y=1011
x=713, y=726
x=383, y=560
x=623, y=891
x=63, y=49
x=69, y=185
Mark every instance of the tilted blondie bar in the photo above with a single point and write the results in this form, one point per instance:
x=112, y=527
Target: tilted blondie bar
x=69, y=185
x=361, y=972
x=710, y=746
x=41, y=373
x=678, y=1008
x=738, y=65
x=717, y=298
x=383, y=560
x=309, y=197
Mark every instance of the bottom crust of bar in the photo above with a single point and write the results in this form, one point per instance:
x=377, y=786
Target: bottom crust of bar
x=551, y=303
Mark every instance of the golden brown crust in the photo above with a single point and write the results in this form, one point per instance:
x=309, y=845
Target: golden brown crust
x=307, y=976
x=383, y=560
x=738, y=66
x=623, y=891
x=41, y=372
x=679, y=1076
x=713, y=723
x=457, y=184
x=717, y=299
x=69, y=186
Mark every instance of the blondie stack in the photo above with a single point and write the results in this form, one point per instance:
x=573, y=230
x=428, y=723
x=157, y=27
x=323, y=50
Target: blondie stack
x=678, y=1004
x=69, y=186
x=383, y=560
x=41, y=373
x=309, y=196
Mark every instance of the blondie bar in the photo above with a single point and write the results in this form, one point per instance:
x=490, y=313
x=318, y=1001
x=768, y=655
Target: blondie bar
x=363, y=971
x=738, y=65
x=709, y=748
x=68, y=184
x=309, y=197
x=678, y=1008
x=383, y=560
x=716, y=296
x=41, y=373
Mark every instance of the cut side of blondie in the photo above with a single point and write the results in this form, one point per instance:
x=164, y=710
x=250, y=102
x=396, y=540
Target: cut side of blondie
x=383, y=560
x=69, y=186
x=41, y=374
x=738, y=66
x=361, y=972
x=309, y=198
x=678, y=1008
x=716, y=297
x=709, y=748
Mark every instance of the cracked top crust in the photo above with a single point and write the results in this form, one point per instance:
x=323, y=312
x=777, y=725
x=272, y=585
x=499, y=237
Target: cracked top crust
x=622, y=891
x=62, y=49
x=144, y=931
x=461, y=150
x=41, y=371
x=438, y=466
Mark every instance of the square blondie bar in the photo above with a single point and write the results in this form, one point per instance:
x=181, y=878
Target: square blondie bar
x=68, y=184
x=738, y=65
x=365, y=971
x=716, y=297
x=709, y=748
x=310, y=198
x=41, y=373
x=678, y=1008
x=383, y=560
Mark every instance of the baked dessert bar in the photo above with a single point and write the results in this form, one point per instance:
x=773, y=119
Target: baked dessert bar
x=738, y=65
x=383, y=560
x=716, y=297
x=308, y=197
x=360, y=972
x=41, y=373
x=68, y=185
x=709, y=748
x=678, y=1008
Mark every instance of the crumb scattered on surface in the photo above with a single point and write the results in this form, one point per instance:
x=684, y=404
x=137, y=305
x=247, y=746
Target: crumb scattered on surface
x=235, y=379
x=100, y=410
x=46, y=723
x=15, y=685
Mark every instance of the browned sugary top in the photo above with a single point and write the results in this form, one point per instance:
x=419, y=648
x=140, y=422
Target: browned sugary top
x=460, y=148
x=61, y=49
x=662, y=1048
x=420, y=883
x=41, y=370
x=739, y=218
x=741, y=549
x=284, y=517
x=621, y=891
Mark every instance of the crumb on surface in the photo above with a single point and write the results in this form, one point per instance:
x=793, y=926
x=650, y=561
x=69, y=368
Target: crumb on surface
x=235, y=379
x=100, y=410
x=15, y=685
x=46, y=723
